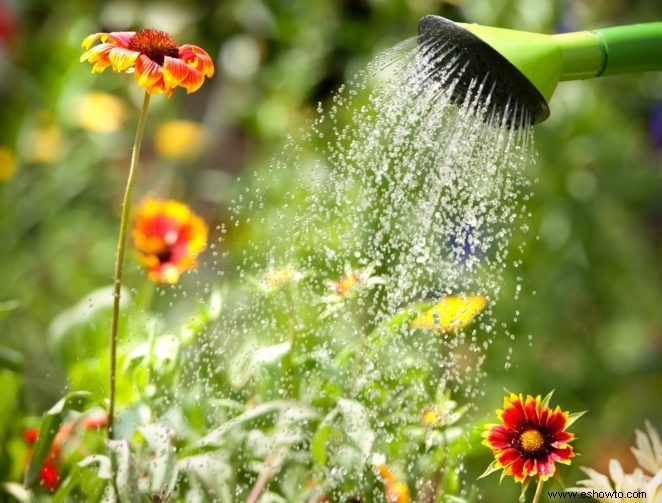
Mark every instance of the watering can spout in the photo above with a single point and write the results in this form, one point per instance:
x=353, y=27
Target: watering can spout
x=526, y=67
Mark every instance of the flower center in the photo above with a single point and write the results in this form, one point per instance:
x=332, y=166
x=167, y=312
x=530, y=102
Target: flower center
x=346, y=283
x=154, y=44
x=531, y=440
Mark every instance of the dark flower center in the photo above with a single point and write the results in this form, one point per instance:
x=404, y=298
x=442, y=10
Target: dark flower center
x=154, y=44
x=165, y=255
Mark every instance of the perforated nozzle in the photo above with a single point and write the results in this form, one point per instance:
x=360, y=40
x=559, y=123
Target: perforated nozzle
x=509, y=94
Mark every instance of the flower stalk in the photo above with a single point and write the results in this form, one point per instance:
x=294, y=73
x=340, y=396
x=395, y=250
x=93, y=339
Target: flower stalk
x=119, y=260
x=538, y=494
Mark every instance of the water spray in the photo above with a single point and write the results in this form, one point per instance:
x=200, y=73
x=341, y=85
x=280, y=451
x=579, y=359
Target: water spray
x=525, y=68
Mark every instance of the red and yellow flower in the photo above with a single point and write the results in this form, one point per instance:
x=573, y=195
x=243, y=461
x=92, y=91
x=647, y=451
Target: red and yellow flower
x=169, y=237
x=530, y=439
x=159, y=64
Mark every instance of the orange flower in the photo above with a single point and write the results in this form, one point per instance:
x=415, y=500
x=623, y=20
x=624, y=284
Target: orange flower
x=169, y=237
x=530, y=439
x=159, y=64
x=396, y=491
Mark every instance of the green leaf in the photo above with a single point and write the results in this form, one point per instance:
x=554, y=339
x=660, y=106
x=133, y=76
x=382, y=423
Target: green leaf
x=545, y=401
x=525, y=486
x=207, y=312
x=80, y=332
x=10, y=384
x=215, y=437
x=50, y=425
x=126, y=471
x=344, y=433
x=573, y=417
x=11, y=360
x=162, y=464
x=7, y=307
x=210, y=470
x=493, y=467
x=17, y=491
x=249, y=360
x=319, y=442
x=95, y=486
x=357, y=425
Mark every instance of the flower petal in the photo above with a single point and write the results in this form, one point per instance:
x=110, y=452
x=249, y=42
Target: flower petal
x=149, y=75
x=197, y=58
x=121, y=38
x=122, y=59
x=500, y=437
x=508, y=457
x=513, y=414
x=175, y=71
x=97, y=53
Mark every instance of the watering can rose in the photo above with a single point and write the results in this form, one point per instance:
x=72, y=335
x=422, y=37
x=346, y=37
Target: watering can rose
x=159, y=64
x=168, y=237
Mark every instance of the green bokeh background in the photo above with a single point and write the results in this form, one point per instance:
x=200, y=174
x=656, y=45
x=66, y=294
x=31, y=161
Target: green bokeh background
x=589, y=316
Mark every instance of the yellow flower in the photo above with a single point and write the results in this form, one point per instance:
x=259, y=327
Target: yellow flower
x=153, y=56
x=179, y=139
x=432, y=416
x=169, y=237
x=45, y=145
x=7, y=163
x=451, y=313
x=100, y=112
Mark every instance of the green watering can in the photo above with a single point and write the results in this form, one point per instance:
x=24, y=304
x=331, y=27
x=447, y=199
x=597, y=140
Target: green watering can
x=526, y=67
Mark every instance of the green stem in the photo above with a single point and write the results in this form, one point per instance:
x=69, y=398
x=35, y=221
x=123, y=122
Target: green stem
x=119, y=259
x=538, y=494
x=289, y=383
x=356, y=365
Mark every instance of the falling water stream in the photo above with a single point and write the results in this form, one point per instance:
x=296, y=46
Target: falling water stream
x=398, y=193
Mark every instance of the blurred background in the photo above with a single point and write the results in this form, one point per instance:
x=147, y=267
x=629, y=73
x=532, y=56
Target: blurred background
x=588, y=320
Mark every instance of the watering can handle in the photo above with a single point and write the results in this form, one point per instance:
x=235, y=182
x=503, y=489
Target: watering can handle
x=632, y=48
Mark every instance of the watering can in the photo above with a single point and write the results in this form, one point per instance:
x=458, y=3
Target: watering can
x=528, y=66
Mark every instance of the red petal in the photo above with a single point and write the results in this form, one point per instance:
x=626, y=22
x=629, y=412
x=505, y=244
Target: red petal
x=532, y=409
x=516, y=469
x=121, y=38
x=500, y=437
x=513, y=416
x=557, y=420
x=508, y=457
x=546, y=467
x=561, y=438
x=529, y=467
x=562, y=455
